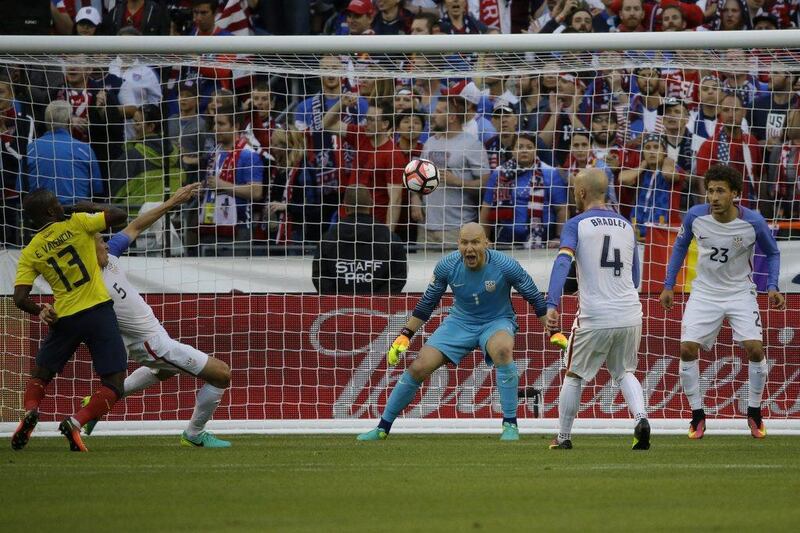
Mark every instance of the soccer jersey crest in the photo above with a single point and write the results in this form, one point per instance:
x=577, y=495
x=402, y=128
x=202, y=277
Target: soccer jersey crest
x=738, y=241
x=490, y=285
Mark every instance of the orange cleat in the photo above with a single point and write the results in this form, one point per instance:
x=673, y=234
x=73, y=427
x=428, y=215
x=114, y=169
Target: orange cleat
x=697, y=429
x=23, y=432
x=757, y=430
x=73, y=434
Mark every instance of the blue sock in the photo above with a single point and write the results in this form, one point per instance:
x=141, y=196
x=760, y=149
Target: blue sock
x=404, y=391
x=507, y=382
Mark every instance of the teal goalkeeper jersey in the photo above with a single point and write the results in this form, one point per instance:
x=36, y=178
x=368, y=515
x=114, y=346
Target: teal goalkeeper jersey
x=480, y=295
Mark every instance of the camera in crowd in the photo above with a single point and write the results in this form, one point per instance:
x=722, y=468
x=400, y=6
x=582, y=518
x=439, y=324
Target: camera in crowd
x=181, y=17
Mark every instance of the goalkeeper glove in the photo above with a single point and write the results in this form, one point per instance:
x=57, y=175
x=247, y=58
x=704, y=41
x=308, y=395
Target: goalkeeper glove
x=558, y=339
x=399, y=346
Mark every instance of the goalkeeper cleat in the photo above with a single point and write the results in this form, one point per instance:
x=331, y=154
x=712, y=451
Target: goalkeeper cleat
x=510, y=431
x=641, y=435
x=23, y=432
x=373, y=434
x=72, y=432
x=697, y=429
x=204, y=440
x=89, y=426
x=757, y=428
x=555, y=444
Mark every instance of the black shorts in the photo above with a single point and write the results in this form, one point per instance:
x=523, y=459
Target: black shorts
x=97, y=328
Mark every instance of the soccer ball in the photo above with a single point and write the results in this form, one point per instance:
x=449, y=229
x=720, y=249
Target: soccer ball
x=421, y=176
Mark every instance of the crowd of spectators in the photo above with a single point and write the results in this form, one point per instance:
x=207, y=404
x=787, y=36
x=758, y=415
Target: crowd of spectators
x=275, y=154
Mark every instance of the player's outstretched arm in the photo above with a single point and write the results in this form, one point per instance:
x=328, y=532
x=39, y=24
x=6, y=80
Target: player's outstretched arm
x=424, y=308
x=147, y=219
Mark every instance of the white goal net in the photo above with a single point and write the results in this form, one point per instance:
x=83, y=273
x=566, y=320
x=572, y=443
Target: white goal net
x=265, y=270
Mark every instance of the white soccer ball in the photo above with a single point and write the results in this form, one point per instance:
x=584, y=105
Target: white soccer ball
x=421, y=176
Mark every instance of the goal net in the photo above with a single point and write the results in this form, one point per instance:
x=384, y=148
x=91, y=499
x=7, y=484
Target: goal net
x=267, y=270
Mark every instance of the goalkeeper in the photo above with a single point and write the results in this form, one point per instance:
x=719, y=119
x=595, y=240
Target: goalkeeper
x=481, y=315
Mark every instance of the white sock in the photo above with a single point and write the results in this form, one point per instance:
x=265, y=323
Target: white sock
x=757, y=377
x=208, y=398
x=569, y=401
x=690, y=381
x=634, y=397
x=139, y=379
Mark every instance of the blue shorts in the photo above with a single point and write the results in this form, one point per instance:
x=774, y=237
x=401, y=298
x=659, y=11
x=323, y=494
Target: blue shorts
x=455, y=338
x=97, y=328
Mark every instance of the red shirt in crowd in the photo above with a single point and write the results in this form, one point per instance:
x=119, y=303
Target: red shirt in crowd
x=750, y=167
x=374, y=167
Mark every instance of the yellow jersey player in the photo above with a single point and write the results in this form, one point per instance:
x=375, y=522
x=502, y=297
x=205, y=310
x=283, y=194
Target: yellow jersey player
x=63, y=252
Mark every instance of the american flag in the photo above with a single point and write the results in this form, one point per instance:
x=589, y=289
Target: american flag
x=235, y=17
x=724, y=147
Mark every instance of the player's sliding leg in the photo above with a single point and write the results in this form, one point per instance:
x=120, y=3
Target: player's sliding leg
x=690, y=382
x=428, y=360
x=138, y=380
x=217, y=377
x=99, y=405
x=756, y=378
x=569, y=401
x=500, y=348
x=35, y=390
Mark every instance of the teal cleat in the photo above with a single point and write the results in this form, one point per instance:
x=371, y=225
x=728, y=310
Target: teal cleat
x=204, y=440
x=373, y=434
x=88, y=427
x=510, y=431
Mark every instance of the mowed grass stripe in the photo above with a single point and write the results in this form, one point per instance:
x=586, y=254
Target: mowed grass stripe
x=407, y=483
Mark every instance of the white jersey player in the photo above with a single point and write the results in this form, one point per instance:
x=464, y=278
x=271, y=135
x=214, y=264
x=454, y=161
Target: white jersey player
x=608, y=327
x=148, y=343
x=726, y=236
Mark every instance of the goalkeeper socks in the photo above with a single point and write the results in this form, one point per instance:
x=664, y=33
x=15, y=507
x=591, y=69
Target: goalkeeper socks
x=402, y=394
x=690, y=382
x=569, y=401
x=507, y=383
x=34, y=393
x=99, y=405
x=139, y=379
x=634, y=397
x=208, y=398
x=757, y=376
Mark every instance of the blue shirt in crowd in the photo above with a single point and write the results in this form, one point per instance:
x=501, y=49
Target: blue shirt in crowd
x=64, y=165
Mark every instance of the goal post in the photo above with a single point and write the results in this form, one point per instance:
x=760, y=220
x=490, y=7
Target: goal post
x=646, y=108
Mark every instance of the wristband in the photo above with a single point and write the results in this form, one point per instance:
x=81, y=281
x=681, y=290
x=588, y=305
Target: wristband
x=407, y=332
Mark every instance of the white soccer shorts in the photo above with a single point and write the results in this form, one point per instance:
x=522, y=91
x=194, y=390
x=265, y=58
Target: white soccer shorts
x=702, y=318
x=588, y=349
x=160, y=352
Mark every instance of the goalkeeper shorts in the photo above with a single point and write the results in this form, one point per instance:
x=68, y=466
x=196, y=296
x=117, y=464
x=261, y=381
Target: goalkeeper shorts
x=456, y=338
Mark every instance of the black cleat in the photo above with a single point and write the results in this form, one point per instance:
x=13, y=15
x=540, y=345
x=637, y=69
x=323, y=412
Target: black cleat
x=23, y=432
x=641, y=435
x=563, y=445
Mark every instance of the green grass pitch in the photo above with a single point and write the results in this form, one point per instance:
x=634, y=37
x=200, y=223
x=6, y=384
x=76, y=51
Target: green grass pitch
x=407, y=483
